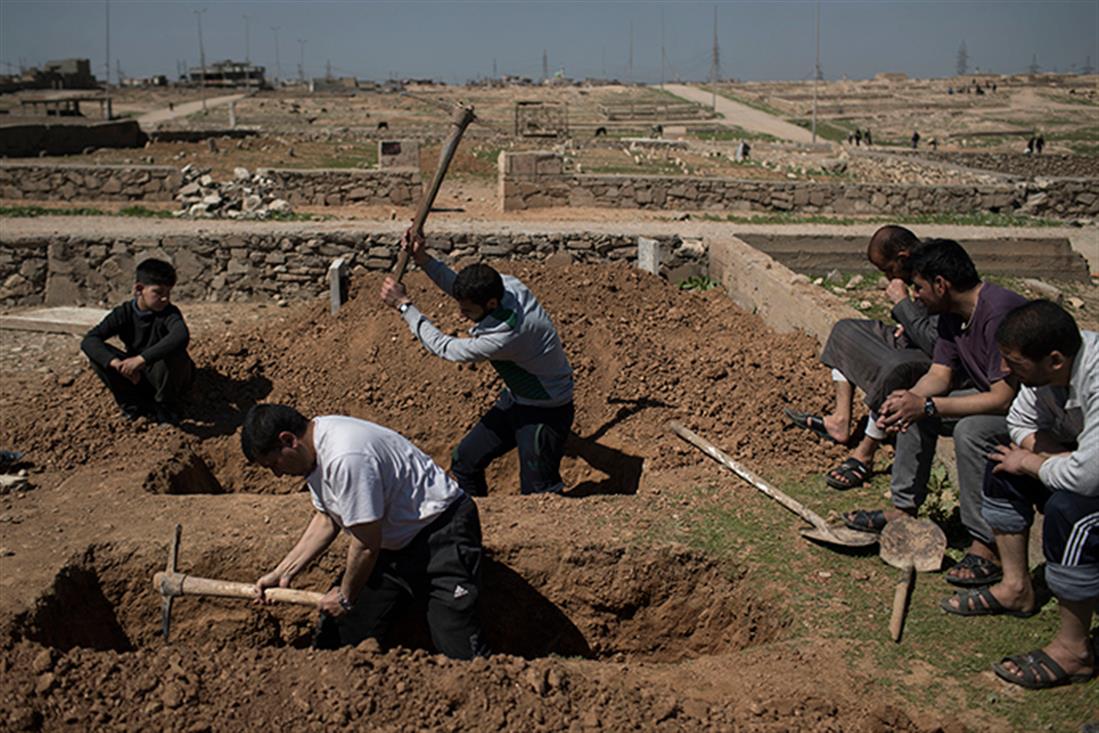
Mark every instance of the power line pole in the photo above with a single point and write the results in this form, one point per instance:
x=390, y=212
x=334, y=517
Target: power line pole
x=301, y=60
x=107, y=55
x=962, y=67
x=816, y=76
x=278, y=67
x=201, y=58
x=629, y=64
x=715, y=64
x=494, y=76
x=663, y=56
x=247, y=44
x=545, y=65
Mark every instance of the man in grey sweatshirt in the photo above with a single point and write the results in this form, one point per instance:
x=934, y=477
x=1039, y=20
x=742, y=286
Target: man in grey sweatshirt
x=1052, y=464
x=513, y=333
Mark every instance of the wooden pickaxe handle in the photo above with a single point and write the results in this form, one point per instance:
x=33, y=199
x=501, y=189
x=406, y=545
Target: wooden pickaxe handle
x=462, y=117
x=181, y=584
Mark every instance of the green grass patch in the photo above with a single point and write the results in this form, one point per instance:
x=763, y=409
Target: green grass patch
x=826, y=130
x=746, y=101
x=942, y=662
x=24, y=212
x=729, y=134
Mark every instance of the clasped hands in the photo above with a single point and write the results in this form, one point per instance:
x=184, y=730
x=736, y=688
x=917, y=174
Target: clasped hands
x=129, y=368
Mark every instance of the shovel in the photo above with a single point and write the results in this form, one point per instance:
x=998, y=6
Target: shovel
x=820, y=531
x=910, y=544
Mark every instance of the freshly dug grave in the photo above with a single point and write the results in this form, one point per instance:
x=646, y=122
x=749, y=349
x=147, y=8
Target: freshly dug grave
x=643, y=352
x=87, y=655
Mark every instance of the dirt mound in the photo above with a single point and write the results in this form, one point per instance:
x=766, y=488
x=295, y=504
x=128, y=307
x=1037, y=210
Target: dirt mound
x=643, y=351
x=87, y=655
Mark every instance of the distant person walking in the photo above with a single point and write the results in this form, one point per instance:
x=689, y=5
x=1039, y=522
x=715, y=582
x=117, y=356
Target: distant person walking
x=1039, y=143
x=866, y=136
x=858, y=137
x=915, y=139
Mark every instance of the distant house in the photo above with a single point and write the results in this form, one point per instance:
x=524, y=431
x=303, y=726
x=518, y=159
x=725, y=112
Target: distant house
x=69, y=74
x=228, y=74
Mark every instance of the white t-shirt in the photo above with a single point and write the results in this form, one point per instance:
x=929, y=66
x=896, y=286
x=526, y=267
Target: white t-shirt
x=367, y=473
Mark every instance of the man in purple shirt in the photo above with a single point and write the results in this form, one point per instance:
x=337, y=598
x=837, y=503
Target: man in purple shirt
x=947, y=283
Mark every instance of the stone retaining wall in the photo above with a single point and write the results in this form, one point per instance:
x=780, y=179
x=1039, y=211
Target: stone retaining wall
x=317, y=187
x=84, y=270
x=336, y=187
x=538, y=179
x=88, y=182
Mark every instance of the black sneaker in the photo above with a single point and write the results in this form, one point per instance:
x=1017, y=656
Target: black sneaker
x=165, y=415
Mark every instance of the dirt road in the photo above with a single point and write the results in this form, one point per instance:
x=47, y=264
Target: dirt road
x=153, y=119
x=741, y=115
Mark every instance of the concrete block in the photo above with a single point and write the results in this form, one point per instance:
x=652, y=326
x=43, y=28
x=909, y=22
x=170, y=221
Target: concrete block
x=649, y=255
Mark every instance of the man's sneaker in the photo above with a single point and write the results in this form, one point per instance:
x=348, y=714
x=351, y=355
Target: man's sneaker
x=165, y=415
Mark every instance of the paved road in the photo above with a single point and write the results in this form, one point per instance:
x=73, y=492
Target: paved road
x=742, y=115
x=153, y=119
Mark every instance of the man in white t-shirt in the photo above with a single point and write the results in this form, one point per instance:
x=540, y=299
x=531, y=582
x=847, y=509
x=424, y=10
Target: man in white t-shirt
x=413, y=533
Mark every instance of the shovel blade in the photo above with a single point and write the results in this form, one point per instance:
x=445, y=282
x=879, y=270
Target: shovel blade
x=841, y=535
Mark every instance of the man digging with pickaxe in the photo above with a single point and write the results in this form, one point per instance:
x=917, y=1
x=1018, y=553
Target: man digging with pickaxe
x=412, y=532
x=515, y=334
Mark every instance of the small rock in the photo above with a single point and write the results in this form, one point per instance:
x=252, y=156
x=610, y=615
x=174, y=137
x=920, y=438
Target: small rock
x=172, y=695
x=369, y=646
x=44, y=683
x=864, y=305
x=833, y=277
x=1075, y=302
x=5, y=552
x=43, y=662
x=241, y=174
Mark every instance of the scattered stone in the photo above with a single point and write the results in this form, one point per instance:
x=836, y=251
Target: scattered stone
x=43, y=662
x=855, y=281
x=247, y=196
x=834, y=277
x=1075, y=302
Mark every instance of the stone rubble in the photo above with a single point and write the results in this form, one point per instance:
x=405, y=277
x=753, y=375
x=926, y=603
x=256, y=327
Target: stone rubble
x=246, y=196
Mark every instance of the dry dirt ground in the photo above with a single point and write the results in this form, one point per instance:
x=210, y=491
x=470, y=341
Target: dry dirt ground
x=599, y=620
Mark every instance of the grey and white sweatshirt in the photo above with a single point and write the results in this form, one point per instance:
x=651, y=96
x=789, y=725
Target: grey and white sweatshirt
x=518, y=339
x=1069, y=415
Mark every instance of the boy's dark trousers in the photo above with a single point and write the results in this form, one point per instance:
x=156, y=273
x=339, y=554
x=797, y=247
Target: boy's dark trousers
x=162, y=383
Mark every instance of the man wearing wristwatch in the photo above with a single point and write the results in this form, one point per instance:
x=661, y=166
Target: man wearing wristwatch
x=515, y=335
x=947, y=283
x=413, y=533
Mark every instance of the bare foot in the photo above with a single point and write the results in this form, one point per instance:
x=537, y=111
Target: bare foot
x=838, y=427
x=1074, y=661
x=1013, y=598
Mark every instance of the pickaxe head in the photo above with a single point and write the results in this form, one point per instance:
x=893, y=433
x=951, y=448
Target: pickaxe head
x=167, y=592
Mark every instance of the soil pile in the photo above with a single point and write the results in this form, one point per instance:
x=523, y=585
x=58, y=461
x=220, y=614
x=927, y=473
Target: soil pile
x=643, y=352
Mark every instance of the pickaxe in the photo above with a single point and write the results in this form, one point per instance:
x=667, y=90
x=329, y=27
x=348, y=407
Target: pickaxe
x=459, y=122
x=171, y=584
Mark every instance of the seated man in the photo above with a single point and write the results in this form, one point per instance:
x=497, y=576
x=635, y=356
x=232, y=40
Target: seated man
x=877, y=357
x=1052, y=463
x=946, y=282
x=516, y=336
x=149, y=378
x=412, y=532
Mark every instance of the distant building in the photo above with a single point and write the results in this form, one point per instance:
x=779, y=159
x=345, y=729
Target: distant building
x=63, y=74
x=228, y=74
x=159, y=80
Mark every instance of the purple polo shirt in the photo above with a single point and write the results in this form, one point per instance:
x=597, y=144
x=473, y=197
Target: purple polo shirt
x=971, y=347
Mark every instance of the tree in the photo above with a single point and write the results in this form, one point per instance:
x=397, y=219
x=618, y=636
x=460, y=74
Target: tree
x=963, y=60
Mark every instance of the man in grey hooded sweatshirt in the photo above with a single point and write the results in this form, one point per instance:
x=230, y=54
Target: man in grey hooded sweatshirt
x=516, y=336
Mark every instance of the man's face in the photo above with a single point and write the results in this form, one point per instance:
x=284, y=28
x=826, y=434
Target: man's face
x=153, y=297
x=290, y=458
x=891, y=268
x=1031, y=373
x=477, y=313
x=932, y=294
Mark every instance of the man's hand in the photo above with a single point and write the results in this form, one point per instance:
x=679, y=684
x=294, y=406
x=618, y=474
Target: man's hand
x=900, y=409
x=414, y=244
x=330, y=603
x=1015, y=460
x=129, y=368
x=274, y=579
x=896, y=290
x=393, y=293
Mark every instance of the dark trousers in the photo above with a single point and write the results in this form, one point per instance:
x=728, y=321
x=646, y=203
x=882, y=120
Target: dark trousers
x=162, y=383
x=1070, y=532
x=538, y=432
x=442, y=564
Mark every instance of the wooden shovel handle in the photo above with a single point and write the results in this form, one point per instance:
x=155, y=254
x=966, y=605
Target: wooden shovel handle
x=180, y=584
x=462, y=117
x=901, y=594
x=787, y=501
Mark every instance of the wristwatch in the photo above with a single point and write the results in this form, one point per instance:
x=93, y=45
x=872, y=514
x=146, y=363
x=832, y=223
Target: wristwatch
x=345, y=604
x=929, y=408
x=403, y=308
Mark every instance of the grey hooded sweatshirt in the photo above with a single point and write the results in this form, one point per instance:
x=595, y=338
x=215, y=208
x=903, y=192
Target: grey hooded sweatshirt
x=517, y=338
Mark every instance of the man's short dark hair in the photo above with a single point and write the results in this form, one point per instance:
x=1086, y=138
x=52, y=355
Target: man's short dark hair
x=947, y=259
x=156, y=272
x=478, y=283
x=260, y=433
x=1037, y=329
x=891, y=241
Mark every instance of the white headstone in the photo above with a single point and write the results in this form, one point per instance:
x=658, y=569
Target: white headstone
x=648, y=255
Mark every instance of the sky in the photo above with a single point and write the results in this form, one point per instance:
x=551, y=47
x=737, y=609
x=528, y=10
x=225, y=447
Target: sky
x=457, y=40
